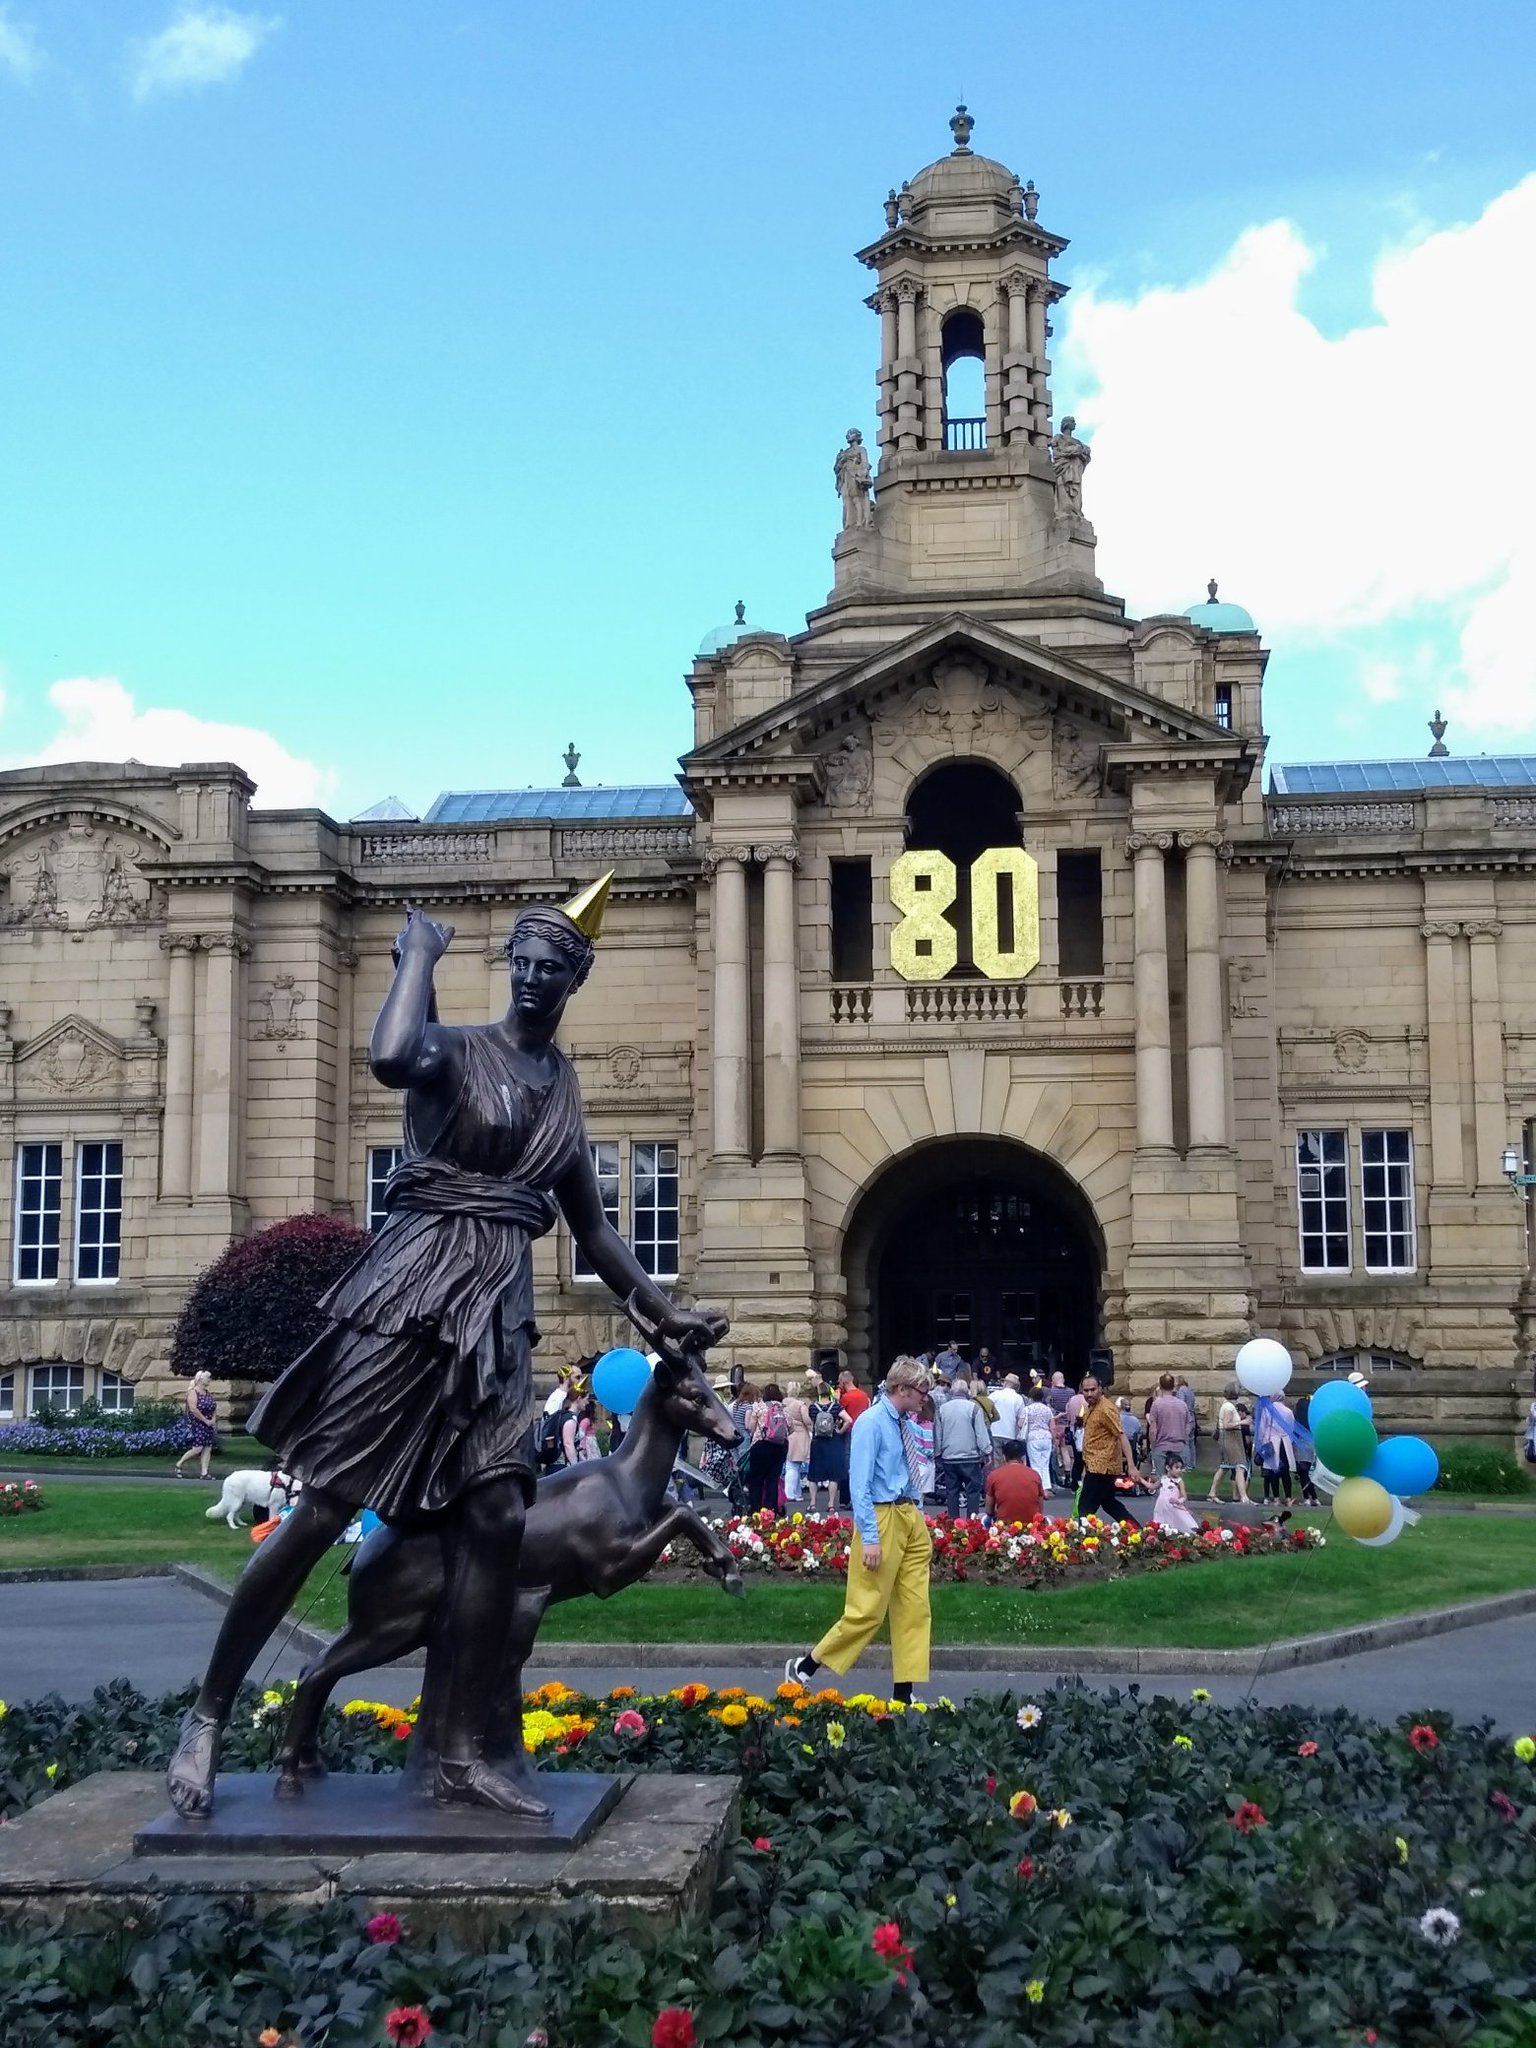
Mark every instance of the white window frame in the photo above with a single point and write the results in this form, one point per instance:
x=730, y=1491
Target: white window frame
x=7, y=1397
x=51, y=1367
x=607, y=1156
x=100, y=1214
x=374, y=1183
x=1405, y=1199
x=1303, y=1168
x=23, y=1147
x=653, y=1240
x=117, y=1388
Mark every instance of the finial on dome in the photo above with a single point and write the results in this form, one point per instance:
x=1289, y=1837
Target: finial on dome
x=586, y=907
x=571, y=758
x=1439, y=727
x=1210, y=591
x=960, y=126
x=741, y=611
x=892, y=208
x=1031, y=201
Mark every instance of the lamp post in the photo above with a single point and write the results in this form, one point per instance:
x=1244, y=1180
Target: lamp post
x=1511, y=1163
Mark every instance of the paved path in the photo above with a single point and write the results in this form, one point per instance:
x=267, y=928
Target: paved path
x=68, y=1638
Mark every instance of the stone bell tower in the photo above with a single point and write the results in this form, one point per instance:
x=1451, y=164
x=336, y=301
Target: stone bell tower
x=977, y=496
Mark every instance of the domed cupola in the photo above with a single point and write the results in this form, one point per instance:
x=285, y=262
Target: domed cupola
x=1217, y=617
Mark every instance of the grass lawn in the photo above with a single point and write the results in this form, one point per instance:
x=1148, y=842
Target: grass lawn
x=234, y=1453
x=1217, y=1606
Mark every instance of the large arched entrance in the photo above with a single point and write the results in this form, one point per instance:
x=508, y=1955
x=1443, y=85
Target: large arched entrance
x=975, y=1241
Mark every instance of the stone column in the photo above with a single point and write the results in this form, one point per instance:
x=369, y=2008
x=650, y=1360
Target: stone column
x=732, y=1025
x=1444, y=1064
x=1489, y=1108
x=1154, y=1033
x=781, y=1002
x=341, y=1094
x=906, y=318
x=218, y=1148
x=1207, y=1035
x=1036, y=321
x=180, y=1027
x=907, y=384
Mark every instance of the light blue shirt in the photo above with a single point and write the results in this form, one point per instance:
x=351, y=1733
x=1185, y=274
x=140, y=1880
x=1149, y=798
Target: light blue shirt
x=877, y=1466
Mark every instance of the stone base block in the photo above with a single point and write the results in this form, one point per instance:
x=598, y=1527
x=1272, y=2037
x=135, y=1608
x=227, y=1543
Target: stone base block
x=656, y=1858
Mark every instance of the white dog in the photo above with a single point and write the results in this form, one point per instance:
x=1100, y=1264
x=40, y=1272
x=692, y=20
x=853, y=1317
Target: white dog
x=267, y=1492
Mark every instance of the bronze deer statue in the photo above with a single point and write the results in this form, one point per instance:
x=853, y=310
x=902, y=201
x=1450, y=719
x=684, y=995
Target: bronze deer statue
x=593, y=1528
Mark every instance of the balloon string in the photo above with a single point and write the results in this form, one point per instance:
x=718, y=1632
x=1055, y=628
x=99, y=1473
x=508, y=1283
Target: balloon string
x=1258, y=1670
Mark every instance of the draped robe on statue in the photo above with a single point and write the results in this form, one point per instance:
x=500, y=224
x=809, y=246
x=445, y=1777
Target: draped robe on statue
x=422, y=1386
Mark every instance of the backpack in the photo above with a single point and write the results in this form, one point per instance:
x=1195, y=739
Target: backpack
x=775, y=1428
x=548, y=1447
x=825, y=1423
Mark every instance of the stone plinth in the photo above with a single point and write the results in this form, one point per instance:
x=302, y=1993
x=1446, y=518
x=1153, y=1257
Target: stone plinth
x=656, y=1858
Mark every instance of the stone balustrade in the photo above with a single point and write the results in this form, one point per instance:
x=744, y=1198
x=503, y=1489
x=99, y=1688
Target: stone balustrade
x=956, y=1002
x=447, y=849
x=1514, y=810
x=1293, y=820
x=623, y=842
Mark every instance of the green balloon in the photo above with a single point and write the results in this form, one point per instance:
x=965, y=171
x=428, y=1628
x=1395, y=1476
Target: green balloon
x=1346, y=1442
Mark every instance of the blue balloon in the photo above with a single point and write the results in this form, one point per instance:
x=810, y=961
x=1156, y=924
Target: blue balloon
x=1338, y=1397
x=1404, y=1464
x=619, y=1379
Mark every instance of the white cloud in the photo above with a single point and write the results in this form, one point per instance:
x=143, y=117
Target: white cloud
x=99, y=721
x=1374, y=483
x=199, y=46
x=19, y=52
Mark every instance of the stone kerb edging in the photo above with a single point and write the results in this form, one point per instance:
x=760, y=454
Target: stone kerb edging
x=1290, y=1655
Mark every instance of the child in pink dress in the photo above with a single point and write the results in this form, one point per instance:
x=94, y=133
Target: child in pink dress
x=1171, y=1508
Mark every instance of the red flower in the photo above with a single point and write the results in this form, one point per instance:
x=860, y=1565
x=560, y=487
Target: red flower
x=1025, y=1868
x=886, y=1940
x=1248, y=1817
x=1503, y=1805
x=762, y=1842
x=384, y=1927
x=402, y=1731
x=408, y=2026
x=991, y=1786
x=1306, y=1749
x=1422, y=1737
x=672, y=2028
x=629, y=1723
x=1370, y=2037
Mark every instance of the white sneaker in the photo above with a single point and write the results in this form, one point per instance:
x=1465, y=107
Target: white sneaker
x=793, y=1675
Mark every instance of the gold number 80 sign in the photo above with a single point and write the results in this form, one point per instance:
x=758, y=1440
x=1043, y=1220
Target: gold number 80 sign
x=925, y=945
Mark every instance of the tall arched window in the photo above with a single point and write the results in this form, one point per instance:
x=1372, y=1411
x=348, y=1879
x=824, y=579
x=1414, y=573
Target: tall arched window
x=963, y=351
x=962, y=809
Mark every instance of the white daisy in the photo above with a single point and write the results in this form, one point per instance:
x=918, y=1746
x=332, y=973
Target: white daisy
x=1441, y=1926
x=1029, y=1716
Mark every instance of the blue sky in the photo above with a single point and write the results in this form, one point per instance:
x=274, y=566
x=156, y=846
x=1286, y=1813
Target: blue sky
x=366, y=366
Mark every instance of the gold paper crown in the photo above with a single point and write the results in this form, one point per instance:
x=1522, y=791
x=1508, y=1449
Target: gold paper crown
x=586, y=907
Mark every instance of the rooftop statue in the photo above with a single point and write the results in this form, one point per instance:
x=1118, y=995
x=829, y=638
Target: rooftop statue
x=853, y=477
x=418, y=1399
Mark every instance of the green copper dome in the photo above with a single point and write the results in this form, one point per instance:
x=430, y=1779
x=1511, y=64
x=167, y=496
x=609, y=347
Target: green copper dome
x=720, y=637
x=1220, y=618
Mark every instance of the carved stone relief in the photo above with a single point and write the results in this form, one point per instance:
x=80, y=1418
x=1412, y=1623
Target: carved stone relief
x=1351, y=1050
x=76, y=880
x=71, y=1062
x=279, y=1005
x=1074, y=759
x=849, y=768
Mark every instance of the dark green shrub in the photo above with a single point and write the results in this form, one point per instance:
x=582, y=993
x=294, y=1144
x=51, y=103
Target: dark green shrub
x=1481, y=1468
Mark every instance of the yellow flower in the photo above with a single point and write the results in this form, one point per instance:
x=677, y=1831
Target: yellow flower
x=4, y=1710
x=733, y=1716
x=791, y=1689
x=1062, y=1817
x=945, y=1706
x=731, y=1692
x=622, y=1692
x=949, y=1899
x=862, y=1700
x=837, y=1734
x=1034, y=1990
x=1525, y=1748
x=918, y=1706
x=896, y=1707
x=754, y=1705
x=796, y=1520
x=1402, y=1849
x=1200, y=1694
x=51, y=1773
x=808, y=1748
x=829, y=1696
x=1182, y=1742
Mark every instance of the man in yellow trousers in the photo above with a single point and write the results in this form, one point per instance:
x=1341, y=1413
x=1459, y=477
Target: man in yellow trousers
x=889, y=1558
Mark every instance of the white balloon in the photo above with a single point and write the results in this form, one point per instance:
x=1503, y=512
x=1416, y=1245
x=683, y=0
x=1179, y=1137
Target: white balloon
x=1263, y=1366
x=1392, y=1531
x=1326, y=1481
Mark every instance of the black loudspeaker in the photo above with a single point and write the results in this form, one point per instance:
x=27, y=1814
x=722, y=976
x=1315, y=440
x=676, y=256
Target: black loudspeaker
x=1101, y=1363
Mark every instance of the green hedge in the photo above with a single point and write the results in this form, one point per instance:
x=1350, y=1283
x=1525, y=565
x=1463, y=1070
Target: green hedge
x=1482, y=1468
x=1218, y=1882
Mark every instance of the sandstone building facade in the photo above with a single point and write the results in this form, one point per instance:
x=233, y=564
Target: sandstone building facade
x=1206, y=1061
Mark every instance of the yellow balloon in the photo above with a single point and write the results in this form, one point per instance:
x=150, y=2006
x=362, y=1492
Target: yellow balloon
x=1362, y=1508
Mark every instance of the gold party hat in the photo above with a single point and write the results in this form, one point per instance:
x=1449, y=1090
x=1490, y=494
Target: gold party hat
x=586, y=907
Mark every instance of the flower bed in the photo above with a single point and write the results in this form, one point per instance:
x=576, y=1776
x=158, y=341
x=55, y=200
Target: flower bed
x=20, y=1497
x=92, y=1440
x=1017, y=1554
x=1077, y=1868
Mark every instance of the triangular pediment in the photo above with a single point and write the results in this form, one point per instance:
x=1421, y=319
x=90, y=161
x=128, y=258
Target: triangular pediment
x=1046, y=681
x=72, y=1057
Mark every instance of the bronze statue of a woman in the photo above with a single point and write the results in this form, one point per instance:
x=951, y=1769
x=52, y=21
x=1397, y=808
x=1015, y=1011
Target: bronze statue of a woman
x=418, y=1400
